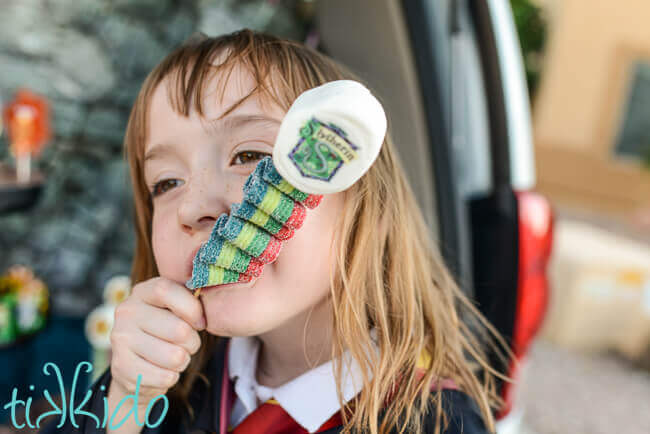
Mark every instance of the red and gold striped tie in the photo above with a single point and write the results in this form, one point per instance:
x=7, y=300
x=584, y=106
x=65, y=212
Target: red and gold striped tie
x=271, y=418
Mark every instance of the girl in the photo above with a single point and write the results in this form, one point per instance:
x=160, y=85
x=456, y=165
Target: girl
x=354, y=328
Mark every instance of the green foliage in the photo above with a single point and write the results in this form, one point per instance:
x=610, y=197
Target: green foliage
x=531, y=27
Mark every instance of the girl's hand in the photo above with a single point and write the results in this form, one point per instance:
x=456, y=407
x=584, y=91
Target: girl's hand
x=154, y=334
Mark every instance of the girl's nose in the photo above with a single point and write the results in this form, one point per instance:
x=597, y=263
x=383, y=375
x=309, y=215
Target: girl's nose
x=201, y=206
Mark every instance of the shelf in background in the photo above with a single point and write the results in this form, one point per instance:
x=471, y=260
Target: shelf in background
x=16, y=197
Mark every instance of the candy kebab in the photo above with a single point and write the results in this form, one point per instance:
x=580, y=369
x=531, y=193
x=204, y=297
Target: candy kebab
x=328, y=139
x=242, y=242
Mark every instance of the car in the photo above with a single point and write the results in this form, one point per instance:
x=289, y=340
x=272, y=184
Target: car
x=451, y=75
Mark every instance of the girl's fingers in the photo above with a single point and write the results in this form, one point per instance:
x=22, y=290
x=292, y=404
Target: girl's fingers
x=159, y=352
x=129, y=365
x=167, y=294
x=153, y=336
x=163, y=324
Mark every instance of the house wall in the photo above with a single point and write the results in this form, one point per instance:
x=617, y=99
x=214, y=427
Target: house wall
x=592, y=51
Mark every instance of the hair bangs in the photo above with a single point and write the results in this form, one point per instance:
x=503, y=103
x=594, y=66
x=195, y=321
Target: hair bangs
x=200, y=65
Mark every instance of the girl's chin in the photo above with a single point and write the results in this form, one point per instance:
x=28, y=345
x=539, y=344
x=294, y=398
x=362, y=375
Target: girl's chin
x=222, y=299
x=237, y=310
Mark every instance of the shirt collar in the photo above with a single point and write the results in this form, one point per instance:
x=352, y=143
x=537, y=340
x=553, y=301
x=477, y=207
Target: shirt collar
x=298, y=395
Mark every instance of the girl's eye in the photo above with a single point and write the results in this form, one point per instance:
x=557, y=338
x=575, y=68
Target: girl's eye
x=247, y=157
x=162, y=186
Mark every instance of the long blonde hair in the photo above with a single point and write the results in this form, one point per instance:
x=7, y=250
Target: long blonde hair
x=389, y=275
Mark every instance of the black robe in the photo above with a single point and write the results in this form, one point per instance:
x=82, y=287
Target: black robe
x=462, y=412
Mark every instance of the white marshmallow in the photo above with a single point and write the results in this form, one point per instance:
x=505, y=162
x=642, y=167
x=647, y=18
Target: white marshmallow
x=329, y=162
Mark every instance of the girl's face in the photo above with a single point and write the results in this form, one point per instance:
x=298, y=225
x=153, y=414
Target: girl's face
x=195, y=169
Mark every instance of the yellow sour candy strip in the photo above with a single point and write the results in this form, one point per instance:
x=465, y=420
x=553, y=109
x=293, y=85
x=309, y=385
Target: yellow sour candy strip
x=271, y=200
x=246, y=236
x=215, y=275
x=227, y=254
x=260, y=218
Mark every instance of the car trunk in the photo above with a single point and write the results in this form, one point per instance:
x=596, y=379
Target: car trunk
x=450, y=75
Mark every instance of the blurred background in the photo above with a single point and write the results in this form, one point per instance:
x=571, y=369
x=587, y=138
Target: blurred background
x=70, y=70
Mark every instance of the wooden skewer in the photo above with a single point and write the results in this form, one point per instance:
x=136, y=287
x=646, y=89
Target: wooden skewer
x=197, y=292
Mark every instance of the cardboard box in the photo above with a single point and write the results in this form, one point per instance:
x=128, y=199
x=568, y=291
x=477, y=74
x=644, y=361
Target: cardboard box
x=600, y=291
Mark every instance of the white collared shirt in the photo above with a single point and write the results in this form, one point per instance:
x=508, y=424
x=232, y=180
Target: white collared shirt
x=310, y=399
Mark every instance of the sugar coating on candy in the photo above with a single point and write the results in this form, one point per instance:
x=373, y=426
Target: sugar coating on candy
x=271, y=252
x=200, y=275
x=284, y=233
x=267, y=198
x=211, y=249
x=224, y=254
x=242, y=242
x=249, y=212
x=219, y=276
x=313, y=201
x=251, y=239
x=211, y=274
x=297, y=217
x=267, y=171
x=273, y=202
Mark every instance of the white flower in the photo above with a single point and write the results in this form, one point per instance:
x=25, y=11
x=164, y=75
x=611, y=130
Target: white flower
x=99, y=324
x=117, y=289
x=27, y=315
